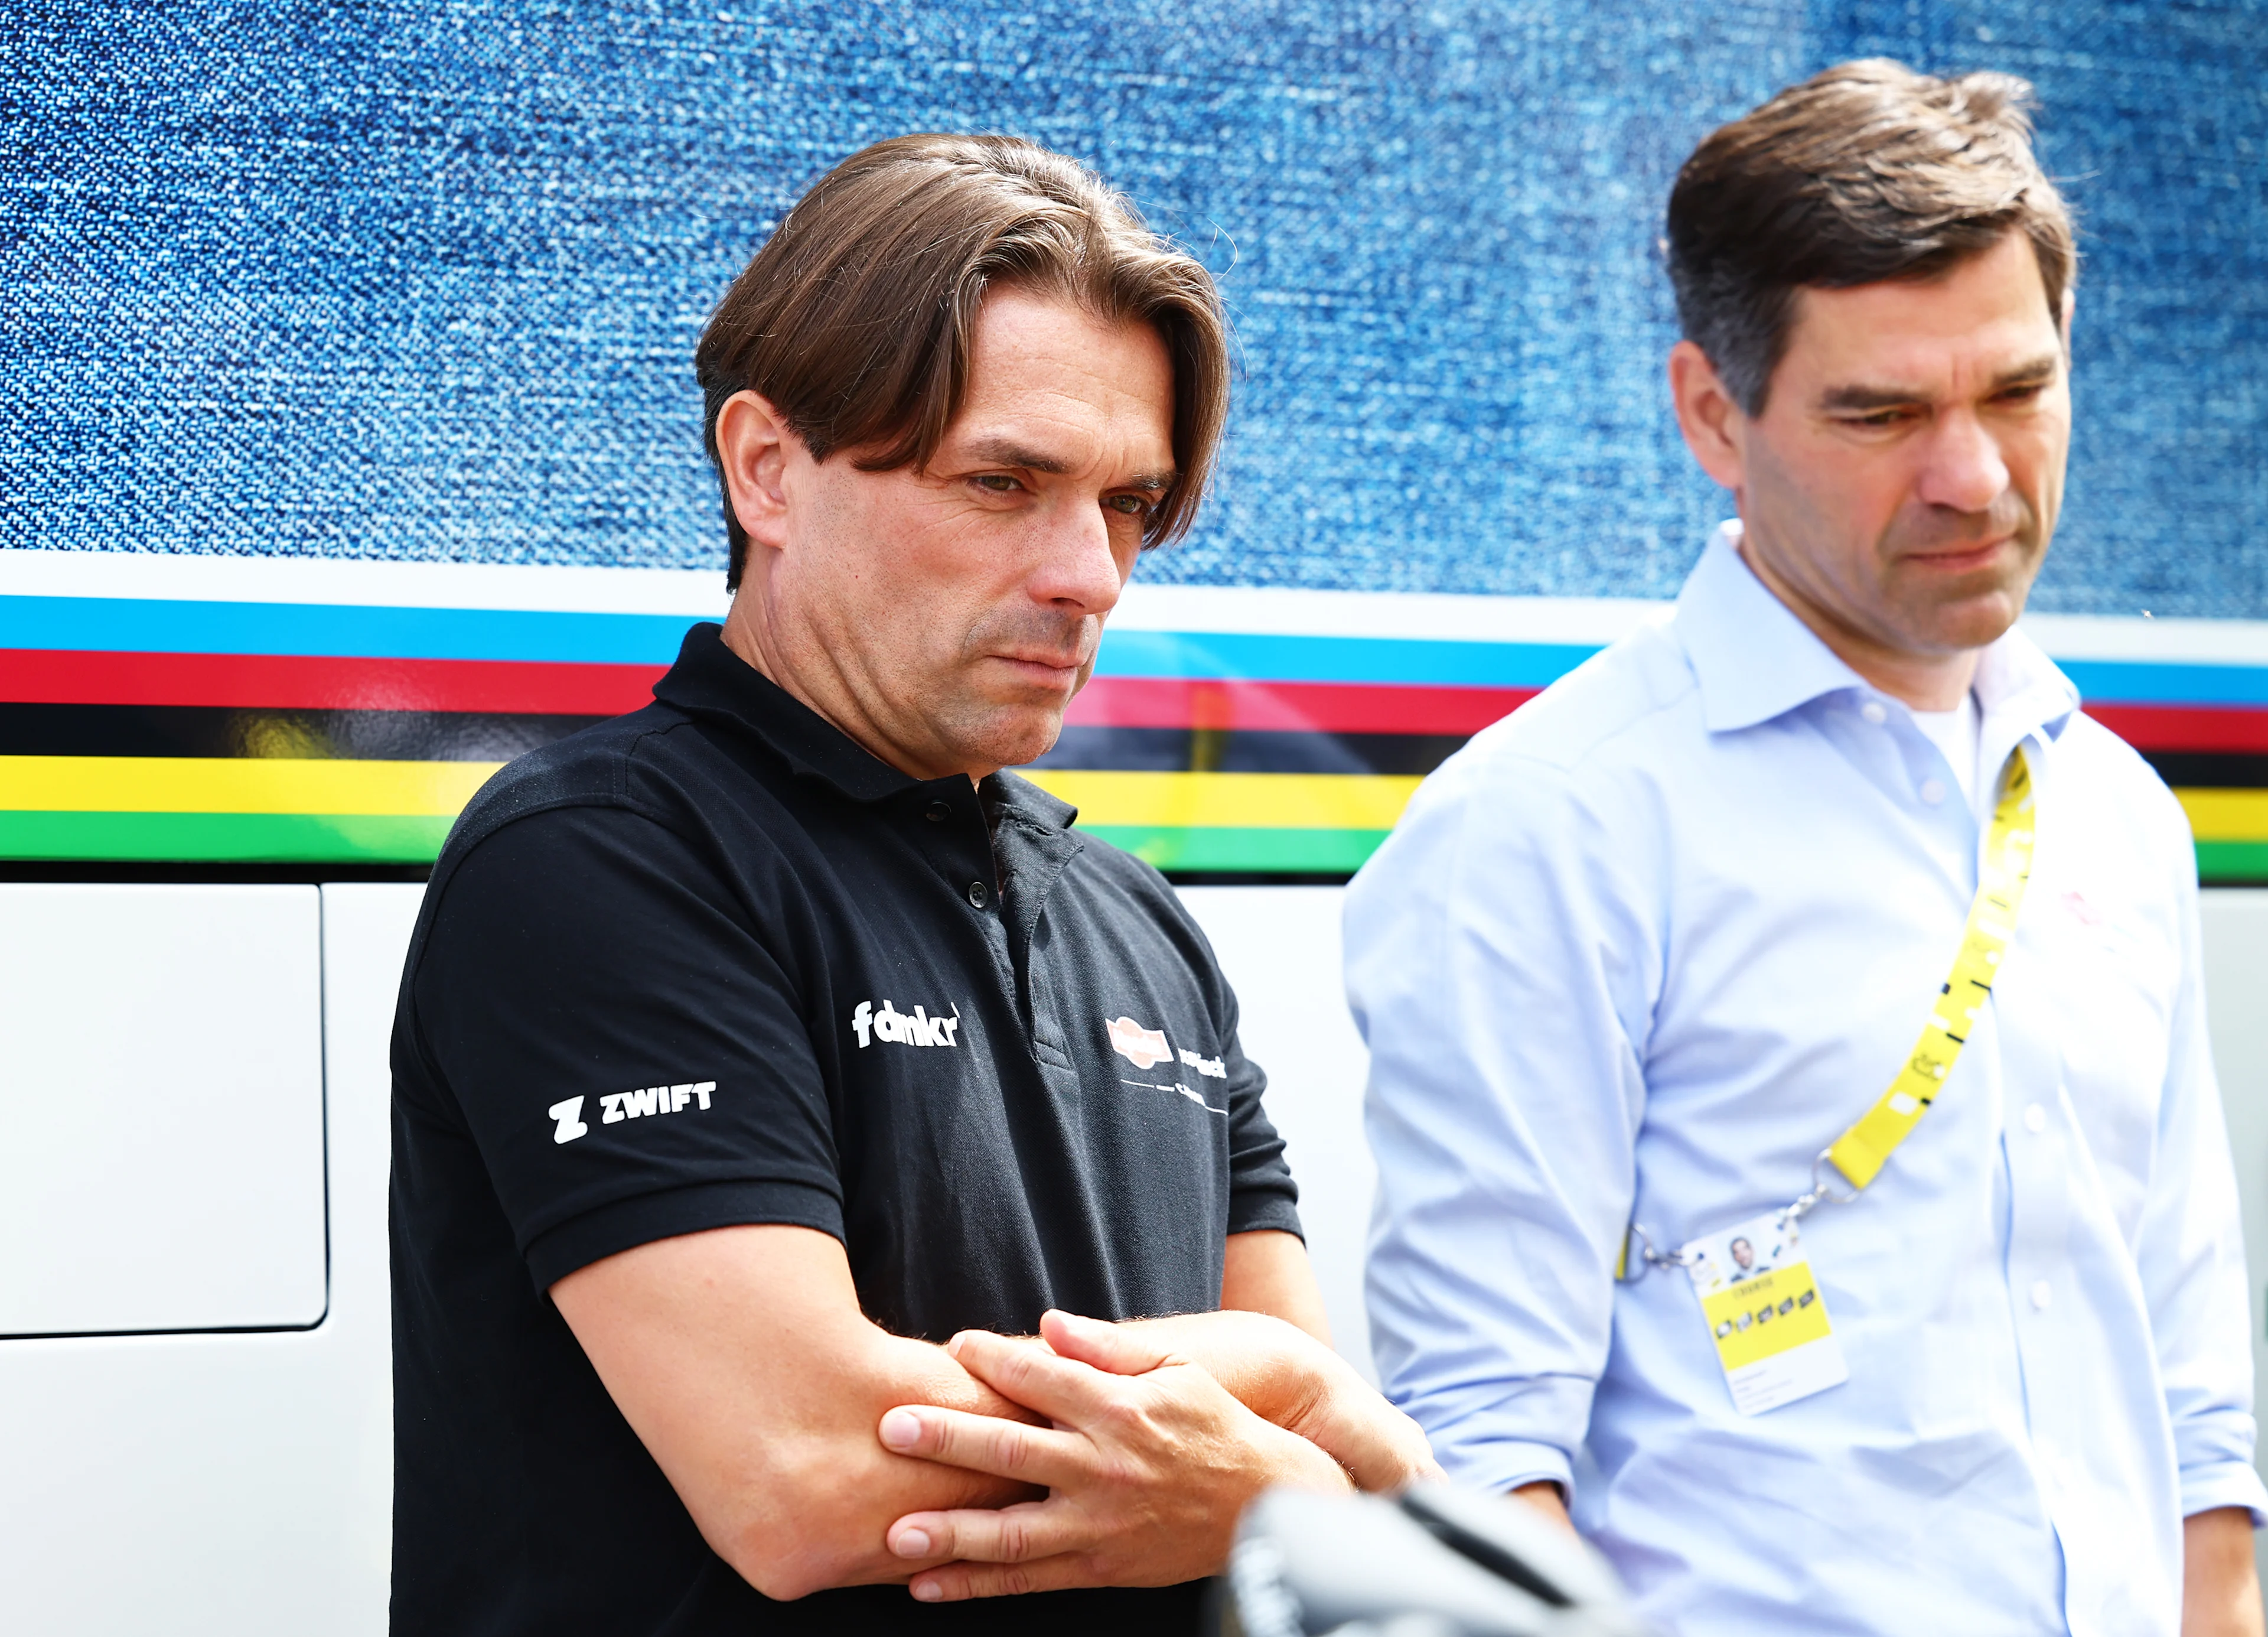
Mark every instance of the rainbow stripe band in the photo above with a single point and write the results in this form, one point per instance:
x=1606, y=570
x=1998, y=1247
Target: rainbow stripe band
x=256, y=727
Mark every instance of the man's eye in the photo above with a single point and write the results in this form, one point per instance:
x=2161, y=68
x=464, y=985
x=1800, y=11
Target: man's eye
x=1127, y=505
x=998, y=482
x=1878, y=420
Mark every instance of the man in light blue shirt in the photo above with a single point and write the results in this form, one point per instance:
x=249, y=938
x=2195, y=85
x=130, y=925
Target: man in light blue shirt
x=1640, y=954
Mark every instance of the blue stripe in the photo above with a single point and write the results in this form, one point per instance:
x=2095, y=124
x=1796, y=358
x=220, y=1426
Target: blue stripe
x=358, y=631
x=1227, y=656
x=131, y=625
x=2127, y=682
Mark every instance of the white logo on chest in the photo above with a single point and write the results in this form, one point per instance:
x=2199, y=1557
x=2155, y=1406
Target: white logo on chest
x=918, y=1028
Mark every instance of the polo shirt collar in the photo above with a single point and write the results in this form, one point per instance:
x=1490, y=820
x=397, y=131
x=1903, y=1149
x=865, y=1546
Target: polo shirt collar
x=1756, y=661
x=712, y=682
x=1018, y=797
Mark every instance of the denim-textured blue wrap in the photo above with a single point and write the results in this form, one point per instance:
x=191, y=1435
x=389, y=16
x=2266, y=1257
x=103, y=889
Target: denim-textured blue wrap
x=423, y=280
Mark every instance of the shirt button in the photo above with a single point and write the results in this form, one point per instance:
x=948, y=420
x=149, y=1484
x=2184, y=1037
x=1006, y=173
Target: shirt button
x=979, y=894
x=1872, y=711
x=2035, y=1119
x=1931, y=791
x=937, y=812
x=2040, y=1294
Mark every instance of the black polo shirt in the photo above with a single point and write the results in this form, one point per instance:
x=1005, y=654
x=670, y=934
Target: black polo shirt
x=713, y=963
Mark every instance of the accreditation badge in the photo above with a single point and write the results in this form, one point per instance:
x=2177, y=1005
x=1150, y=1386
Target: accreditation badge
x=1765, y=1314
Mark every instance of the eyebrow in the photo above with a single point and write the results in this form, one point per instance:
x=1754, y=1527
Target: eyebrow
x=2029, y=372
x=1003, y=452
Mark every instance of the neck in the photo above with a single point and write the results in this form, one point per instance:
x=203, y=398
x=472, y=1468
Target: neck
x=752, y=636
x=1923, y=681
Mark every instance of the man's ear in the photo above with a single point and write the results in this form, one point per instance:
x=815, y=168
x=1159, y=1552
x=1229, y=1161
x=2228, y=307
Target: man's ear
x=1706, y=413
x=753, y=445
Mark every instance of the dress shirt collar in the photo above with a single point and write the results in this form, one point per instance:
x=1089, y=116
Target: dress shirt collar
x=1756, y=661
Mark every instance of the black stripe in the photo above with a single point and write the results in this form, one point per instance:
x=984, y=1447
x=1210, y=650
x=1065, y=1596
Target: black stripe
x=182, y=730
x=2209, y=770
x=1209, y=750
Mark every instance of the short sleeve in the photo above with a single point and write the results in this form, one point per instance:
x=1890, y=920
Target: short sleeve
x=627, y=1051
x=1261, y=1192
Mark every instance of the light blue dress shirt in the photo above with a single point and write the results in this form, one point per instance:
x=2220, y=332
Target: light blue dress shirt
x=1642, y=950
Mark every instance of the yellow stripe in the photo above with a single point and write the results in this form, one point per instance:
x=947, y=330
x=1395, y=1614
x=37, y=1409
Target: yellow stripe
x=1233, y=800
x=2227, y=814
x=247, y=785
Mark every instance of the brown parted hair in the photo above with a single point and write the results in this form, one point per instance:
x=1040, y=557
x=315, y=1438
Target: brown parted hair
x=856, y=317
x=1866, y=171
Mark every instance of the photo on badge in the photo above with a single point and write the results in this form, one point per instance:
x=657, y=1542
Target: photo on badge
x=1765, y=1313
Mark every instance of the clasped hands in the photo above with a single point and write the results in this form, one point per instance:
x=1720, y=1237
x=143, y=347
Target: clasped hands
x=1156, y=1434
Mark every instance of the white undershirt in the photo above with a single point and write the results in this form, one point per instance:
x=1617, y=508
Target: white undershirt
x=1958, y=734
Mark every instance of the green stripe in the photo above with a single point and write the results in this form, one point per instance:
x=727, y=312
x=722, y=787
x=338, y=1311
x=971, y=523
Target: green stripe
x=2232, y=861
x=236, y=837
x=1289, y=851
x=387, y=838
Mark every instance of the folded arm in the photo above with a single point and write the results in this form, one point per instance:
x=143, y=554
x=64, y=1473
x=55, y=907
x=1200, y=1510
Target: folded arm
x=740, y=1358
x=1164, y=1430
x=1269, y=1346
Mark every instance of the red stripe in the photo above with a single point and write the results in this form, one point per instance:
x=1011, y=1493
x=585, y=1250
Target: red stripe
x=1289, y=707
x=296, y=682
x=289, y=681
x=2229, y=730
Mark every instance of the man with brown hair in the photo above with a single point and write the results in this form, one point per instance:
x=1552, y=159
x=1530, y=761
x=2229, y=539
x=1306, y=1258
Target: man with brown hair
x=1833, y=850
x=754, y=1044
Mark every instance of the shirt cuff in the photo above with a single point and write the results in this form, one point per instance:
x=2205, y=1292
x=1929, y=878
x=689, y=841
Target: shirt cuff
x=627, y=1223
x=1257, y=1211
x=1502, y=1467
x=2225, y=1484
x=1497, y=1435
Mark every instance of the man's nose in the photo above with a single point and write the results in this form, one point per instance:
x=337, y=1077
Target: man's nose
x=1078, y=566
x=1964, y=469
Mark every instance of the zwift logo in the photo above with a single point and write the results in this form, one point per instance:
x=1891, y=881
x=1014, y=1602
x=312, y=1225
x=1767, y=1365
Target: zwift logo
x=627, y=1105
x=890, y=1024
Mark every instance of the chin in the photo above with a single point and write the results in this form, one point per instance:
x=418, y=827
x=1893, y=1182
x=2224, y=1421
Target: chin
x=1972, y=618
x=1014, y=738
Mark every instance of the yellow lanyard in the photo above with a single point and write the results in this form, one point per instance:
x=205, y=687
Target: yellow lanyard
x=1861, y=1153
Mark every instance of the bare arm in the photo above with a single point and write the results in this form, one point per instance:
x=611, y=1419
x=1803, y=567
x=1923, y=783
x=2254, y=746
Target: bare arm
x=2220, y=1585
x=1149, y=1461
x=1270, y=1345
x=1269, y=1273
x=1160, y=1453
x=741, y=1360
x=1545, y=1496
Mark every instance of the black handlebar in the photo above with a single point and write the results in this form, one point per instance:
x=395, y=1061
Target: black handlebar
x=1435, y=1562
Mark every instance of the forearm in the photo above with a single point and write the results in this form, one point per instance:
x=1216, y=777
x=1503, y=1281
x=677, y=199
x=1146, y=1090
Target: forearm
x=1276, y=1369
x=1284, y=1375
x=799, y=1501
x=2220, y=1586
x=763, y=1416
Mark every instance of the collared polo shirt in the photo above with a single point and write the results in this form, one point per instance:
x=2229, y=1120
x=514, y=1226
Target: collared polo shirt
x=712, y=964
x=1637, y=953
